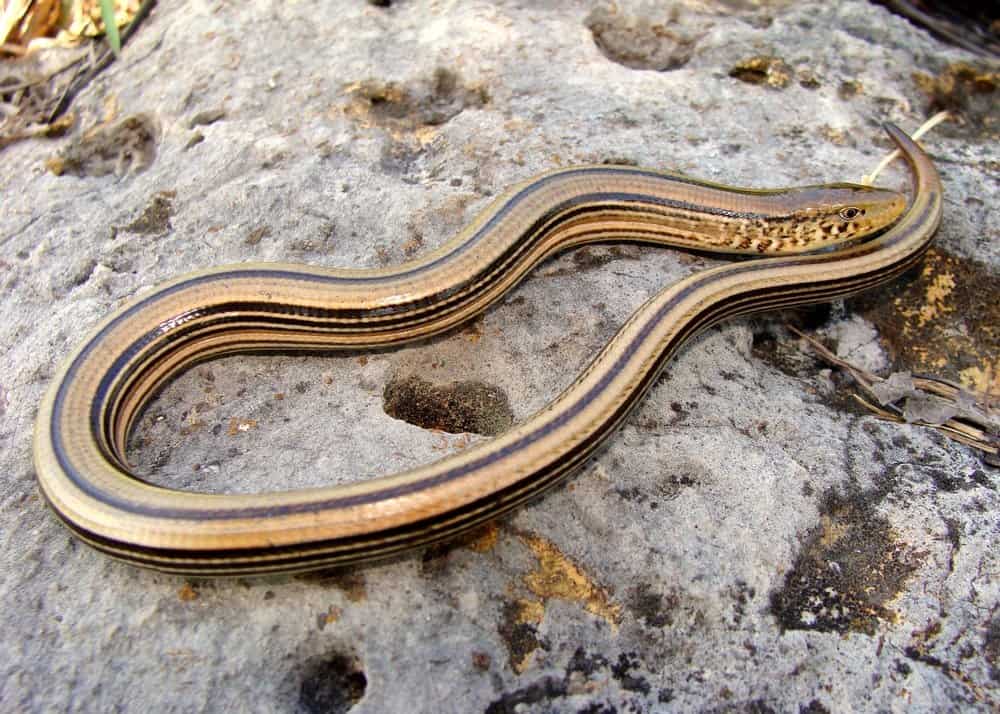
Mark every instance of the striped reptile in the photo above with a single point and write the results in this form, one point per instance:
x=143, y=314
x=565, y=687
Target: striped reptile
x=86, y=416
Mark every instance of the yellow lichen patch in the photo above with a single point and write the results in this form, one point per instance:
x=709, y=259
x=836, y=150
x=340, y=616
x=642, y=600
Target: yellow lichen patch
x=425, y=135
x=529, y=612
x=831, y=531
x=193, y=424
x=840, y=137
x=482, y=540
x=983, y=380
x=473, y=331
x=516, y=126
x=558, y=576
x=329, y=617
x=763, y=69
x=938, y=288
x=944, y=321
x=412, y=246
x=519, y=633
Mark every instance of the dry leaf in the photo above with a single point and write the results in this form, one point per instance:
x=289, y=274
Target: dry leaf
x=39, y=21
x=13, y=12
x=33, y=25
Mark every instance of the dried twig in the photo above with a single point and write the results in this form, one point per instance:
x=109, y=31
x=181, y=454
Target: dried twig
x=44, y=79
x=13, y=49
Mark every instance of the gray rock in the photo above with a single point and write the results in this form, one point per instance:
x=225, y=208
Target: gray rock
x=746, y=542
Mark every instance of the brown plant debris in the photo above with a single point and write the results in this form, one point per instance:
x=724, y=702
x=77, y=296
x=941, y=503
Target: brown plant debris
x=35, y=94
x=967, y=417
x=155, y=217
x=239, y=426
x=24, y=21
x=963, y=24
x=34, y=130
x=30, y=25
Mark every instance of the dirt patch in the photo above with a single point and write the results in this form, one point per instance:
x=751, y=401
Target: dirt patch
x=349, y=581
x=459, y=407
x=154, y=219
x=651, y=607
x=638, y=43
x=595, y=257
x=427, y=103
x=127, y=147
x=776, y=346
x=331, y=685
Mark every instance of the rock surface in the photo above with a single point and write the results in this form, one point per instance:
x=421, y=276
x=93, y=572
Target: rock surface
x=749, y=541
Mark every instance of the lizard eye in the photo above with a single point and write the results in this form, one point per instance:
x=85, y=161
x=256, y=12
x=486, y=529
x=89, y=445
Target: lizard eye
x=850, y=213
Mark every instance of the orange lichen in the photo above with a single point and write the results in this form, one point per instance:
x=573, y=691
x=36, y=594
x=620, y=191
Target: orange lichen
x=557, y=576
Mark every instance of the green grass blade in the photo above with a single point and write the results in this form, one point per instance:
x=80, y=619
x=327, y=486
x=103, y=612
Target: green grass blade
x=110, y=26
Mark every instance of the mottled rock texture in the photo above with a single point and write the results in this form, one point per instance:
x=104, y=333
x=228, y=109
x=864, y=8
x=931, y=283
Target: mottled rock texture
x=751, y=540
